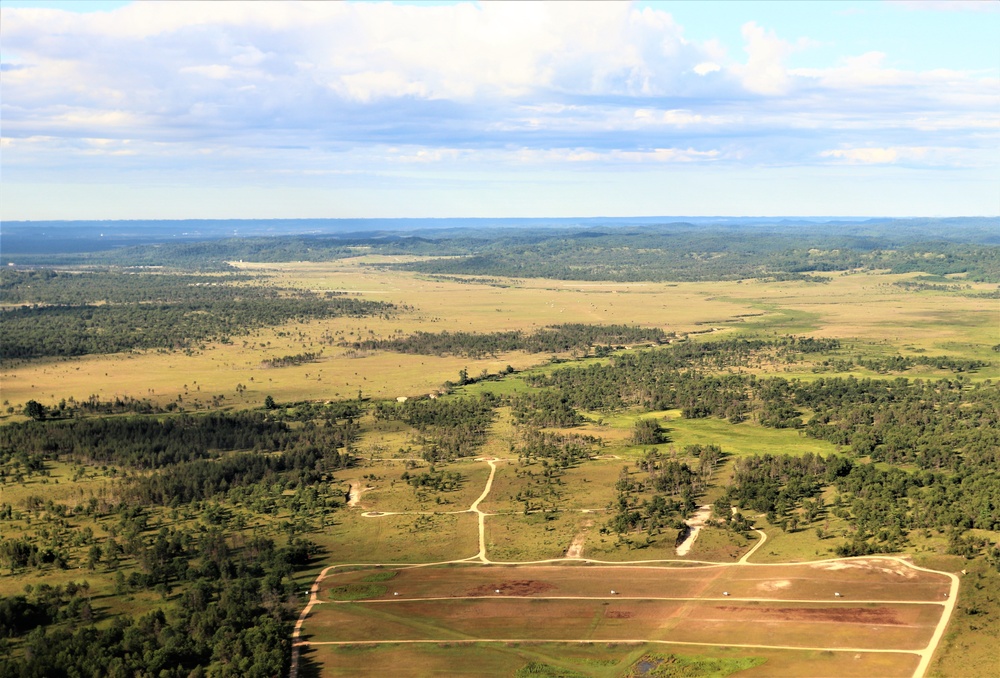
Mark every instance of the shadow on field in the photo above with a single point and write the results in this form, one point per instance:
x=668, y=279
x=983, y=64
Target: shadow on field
x=308, y=668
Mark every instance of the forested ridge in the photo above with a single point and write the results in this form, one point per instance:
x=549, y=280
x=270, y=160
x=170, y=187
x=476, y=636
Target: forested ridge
x=688, y=256
x=668, y=251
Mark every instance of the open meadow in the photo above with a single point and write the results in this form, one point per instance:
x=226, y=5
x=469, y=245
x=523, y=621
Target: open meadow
x=866, y=311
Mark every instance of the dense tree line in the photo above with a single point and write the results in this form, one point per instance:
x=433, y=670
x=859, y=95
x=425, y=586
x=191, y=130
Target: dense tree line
x=925, y=422
x=647, y=431
x=656, y=497
x=433, y=479
x=330, y=411
x=555, y=339
x=88, y=313
x=881, y=505
x=204, y=478
x=44, y=604
x=638, y=255
x=563, y=450
x=71, y=407
x=544, y=408
x=109, y=286
x=900, y=363
x=146, y=442
x=291, y=360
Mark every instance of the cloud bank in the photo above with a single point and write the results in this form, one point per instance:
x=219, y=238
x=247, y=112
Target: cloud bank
x=275, y=91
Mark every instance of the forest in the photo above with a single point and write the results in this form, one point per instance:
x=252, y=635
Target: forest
x=667, y=251
x=51, y=313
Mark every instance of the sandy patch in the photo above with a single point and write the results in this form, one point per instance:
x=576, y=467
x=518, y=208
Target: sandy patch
x=696, y=522
x=884, y=566
x=575, y=549
x=777, y=585
x=354, y=496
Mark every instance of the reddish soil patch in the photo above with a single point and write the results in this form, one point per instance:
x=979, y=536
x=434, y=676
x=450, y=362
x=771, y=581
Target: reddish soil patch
x=520, y=587
x=618, y=614
x=848, y=615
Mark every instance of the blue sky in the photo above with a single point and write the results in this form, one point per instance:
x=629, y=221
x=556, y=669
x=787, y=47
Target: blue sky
x=128, y=110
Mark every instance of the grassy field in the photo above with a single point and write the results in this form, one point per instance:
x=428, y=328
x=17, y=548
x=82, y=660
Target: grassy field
x=739, y=440
x=385, y=491
x=598, y=660
x=865, y=307
x=398, y=538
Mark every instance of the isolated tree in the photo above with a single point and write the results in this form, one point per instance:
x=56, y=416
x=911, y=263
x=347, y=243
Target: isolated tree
x=647, y=432
x=35, y=410
x=269, y=403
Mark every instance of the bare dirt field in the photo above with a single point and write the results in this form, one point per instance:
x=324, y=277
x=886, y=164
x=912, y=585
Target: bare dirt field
x=857, y=580
x=885, y=608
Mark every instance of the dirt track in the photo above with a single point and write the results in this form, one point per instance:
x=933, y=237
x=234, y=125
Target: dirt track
x=520, y=588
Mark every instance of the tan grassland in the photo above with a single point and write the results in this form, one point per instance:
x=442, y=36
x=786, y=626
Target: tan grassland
x=863, y=306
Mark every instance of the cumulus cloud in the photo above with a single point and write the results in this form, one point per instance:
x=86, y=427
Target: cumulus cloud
x=764, y=71
x=910, y=155
x=334, y=87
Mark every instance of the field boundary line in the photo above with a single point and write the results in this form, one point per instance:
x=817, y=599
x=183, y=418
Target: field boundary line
x=730, y=599
x=480, y=558
x=616, y=641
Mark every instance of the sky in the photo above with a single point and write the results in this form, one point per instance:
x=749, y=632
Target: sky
x=176, y=110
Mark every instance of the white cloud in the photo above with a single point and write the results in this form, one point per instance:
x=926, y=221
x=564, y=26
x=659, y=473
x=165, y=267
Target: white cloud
x=706, y=67
x=584, y=155
x=372, y=50
x=764, y=71
x=868, y=71
x=912, y=155
x=866, y=156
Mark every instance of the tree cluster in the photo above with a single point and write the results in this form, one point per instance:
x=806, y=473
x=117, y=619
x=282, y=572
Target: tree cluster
x=555, y=339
